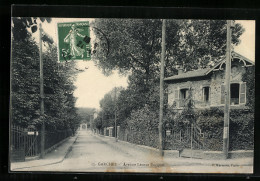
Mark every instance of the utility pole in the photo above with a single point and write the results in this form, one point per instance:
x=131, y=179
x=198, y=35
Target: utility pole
x=161, y=88
x=102, y=122
x=227, y=93
x=115, y=117
x=42, y=95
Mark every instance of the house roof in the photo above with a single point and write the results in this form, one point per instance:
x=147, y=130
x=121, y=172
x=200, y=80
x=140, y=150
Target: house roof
x=206, y=71
x=239, y=56
x=189, y=74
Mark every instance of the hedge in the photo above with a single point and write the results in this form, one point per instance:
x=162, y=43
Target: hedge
x=142, y=127
x=241, y=130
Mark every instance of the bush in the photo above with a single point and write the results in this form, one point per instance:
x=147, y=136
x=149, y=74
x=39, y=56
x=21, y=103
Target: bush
x=142, y=127
x=211, y=124
x=241, y=129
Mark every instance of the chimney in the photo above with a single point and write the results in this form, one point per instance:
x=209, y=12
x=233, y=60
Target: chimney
x=179, y=68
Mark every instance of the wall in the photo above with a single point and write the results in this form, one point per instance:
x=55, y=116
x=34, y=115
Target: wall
x=195, y=85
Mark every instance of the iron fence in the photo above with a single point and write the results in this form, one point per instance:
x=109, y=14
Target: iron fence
x=190, y=138
x=26, y=142
x=54, y=137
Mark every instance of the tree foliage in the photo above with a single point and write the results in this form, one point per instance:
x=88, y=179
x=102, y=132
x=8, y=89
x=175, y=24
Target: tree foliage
x=85, y=114
x=60, y=111
x=109, y=106
x=135, y=44
x=23, y=27
x=133, y=47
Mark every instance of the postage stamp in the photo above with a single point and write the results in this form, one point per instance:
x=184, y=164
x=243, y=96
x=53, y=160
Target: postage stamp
x=73, y=41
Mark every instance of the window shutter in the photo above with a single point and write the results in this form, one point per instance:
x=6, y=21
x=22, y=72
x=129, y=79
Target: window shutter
x=176, y=94
x=222, y=101
x=203, y=94
x=209, y=94
x=242, y=96
x=176, y=97
x=188, y=93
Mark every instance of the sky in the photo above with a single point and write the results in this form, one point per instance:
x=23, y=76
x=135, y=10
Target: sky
x=247, y=45
x=92, y=85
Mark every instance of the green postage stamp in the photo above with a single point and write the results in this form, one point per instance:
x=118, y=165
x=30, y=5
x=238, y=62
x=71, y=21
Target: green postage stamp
x=74, y=41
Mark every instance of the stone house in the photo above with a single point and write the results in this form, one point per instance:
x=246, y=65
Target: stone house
x=207, y=90
x=208, y=87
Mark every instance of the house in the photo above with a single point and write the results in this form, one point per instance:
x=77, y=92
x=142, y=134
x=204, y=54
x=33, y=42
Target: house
x=207, y=85
x=206, y=89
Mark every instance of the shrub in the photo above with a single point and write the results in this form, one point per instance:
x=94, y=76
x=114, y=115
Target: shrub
x=211, y=123
x=142, y=127
x=241, y=129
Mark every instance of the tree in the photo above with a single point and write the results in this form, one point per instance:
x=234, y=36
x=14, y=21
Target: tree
x=60, y=111
x=201, y=43
x=24, y=26
x=85, y=113
x=133, y=46
x=109, y=105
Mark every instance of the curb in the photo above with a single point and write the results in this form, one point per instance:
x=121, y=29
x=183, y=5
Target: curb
x=175, y=153
x=70, y=148
x=132, y=144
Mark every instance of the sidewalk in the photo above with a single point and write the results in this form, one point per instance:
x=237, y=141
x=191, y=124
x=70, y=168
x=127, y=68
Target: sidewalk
x=55, y=156
x=138, y=150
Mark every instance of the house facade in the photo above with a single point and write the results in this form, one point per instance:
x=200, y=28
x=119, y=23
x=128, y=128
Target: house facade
x=207, y=85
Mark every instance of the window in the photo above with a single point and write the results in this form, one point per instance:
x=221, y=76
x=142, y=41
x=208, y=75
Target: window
x=184, y=93
x=205, y=94
x=183, y=96
x=237, y=93
x=234, y=94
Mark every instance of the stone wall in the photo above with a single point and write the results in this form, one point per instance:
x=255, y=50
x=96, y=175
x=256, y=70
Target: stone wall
x=196, y=86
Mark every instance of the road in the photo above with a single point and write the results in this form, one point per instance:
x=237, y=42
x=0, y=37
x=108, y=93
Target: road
x=93, y=153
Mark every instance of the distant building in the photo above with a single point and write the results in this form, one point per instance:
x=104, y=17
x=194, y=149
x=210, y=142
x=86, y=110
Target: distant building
x=95, y=114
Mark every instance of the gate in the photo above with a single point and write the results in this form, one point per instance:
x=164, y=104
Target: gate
x=31, y=142
x=24, y=143
x=190, y=141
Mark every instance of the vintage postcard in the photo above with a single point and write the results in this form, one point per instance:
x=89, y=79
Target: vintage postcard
x=132, y=95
